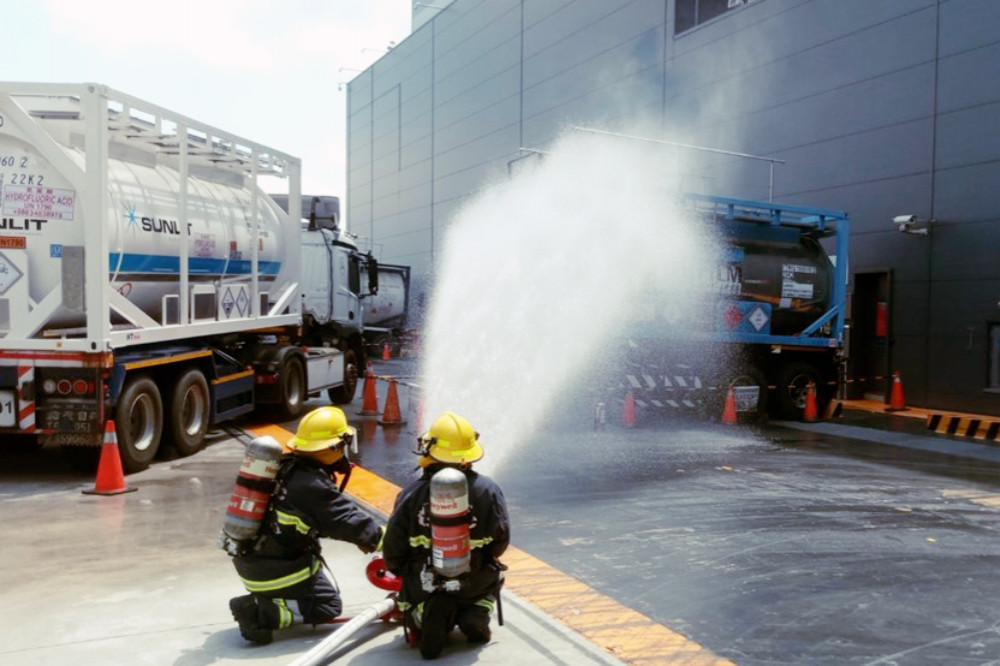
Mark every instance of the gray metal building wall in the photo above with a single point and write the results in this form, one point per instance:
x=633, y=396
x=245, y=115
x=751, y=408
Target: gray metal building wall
x=878, y=107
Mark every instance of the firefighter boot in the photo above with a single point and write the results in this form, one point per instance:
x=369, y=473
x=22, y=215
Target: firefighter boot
x=245, y=612
x=474, y=621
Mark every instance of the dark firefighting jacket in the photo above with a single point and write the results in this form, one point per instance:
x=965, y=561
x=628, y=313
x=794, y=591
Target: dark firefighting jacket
x=306, y=505
x=407, y=544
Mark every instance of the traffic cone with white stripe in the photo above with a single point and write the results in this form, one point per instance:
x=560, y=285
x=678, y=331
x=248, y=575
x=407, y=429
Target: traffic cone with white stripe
x=392, y=415
x=896, y=403
x=369, y=403
x=110, y=477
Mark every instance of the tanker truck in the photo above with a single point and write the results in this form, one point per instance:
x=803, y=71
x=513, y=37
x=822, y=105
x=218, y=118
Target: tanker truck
x=774, y=325
x=384, y=290
x=146, y=281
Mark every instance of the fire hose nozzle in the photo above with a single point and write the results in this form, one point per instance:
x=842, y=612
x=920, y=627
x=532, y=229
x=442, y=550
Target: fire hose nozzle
x=381, y=577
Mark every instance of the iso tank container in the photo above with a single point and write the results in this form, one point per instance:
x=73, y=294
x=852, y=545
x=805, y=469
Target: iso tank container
x=794, y=280
x=147, y=285
x=387, y=308
x=125, y=224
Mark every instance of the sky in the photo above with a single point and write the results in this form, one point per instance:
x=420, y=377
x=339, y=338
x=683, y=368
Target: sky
x=265, y=70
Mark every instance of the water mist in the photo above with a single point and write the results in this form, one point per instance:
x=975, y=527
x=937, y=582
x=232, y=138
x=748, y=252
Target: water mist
x=539, y=273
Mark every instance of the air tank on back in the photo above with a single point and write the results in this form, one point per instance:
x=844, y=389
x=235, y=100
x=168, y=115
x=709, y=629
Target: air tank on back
x=143, y=223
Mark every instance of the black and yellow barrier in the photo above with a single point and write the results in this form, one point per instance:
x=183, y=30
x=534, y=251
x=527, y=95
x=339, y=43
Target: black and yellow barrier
x=964, y=426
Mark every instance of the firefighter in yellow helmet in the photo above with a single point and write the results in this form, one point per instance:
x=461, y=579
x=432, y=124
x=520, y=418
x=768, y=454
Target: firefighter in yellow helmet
x=434, y=603
x=282, y=567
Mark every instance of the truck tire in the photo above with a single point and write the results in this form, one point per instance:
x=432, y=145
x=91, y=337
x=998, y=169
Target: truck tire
x=793, y=383
x=139, y=423
x=293, y=388
x=344, y=393
x=189, y=412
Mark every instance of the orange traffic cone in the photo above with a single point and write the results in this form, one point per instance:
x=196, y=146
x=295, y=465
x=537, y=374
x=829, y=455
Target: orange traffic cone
x=385, y=352
x=811, y=413
x=896, y=403
x=369, y=404
x=110, y=478
x=729, y=410
x=392, y=415
x=628, y=414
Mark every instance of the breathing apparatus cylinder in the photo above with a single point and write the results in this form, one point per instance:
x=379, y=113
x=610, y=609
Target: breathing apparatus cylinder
x=450, y=518
x=251, y=494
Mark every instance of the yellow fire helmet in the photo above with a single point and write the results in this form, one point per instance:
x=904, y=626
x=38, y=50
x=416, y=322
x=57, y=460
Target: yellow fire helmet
x=321, y=429
x=451, y=439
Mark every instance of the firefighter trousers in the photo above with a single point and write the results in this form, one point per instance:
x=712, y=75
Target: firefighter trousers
x=316, y=601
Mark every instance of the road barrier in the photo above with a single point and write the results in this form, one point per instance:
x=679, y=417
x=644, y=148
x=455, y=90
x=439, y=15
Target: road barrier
x=392, y=415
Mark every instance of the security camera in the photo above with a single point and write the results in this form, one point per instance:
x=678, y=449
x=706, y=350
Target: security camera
x=910, y=224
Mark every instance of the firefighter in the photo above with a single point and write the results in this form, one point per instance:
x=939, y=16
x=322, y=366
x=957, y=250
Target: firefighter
x=282, y=566
x=433, y=604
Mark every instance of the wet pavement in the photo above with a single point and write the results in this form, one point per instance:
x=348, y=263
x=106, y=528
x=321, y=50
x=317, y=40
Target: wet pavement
x=856, y=541
x=861, y=540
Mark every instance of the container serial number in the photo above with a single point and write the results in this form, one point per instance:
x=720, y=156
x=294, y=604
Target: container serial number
x=25, y=179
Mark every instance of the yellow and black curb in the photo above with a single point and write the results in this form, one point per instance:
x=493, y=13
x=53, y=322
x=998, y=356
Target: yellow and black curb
x=987, y=430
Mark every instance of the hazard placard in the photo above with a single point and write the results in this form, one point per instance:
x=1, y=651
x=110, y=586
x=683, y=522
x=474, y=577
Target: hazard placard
x=743, y=317
x=46, y=203
x=9, y=274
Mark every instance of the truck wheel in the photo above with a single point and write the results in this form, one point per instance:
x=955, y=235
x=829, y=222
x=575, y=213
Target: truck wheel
x=793, y=384
x=344, y=393
x=139, y=423
x=293, y=388
x=189, y=412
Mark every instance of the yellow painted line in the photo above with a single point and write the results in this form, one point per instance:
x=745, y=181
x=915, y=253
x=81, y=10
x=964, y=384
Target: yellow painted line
x=233, y=377
x=176, y=358
x=373, y=490
x=626, y=633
